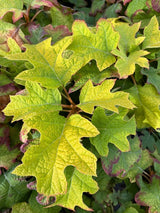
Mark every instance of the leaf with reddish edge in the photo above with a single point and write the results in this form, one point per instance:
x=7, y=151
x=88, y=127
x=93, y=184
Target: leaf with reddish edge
x=36, y=33
x=156, y=5
x=97, y=6
x=15, y=6
x=7, y=154
x=126, y=1
x=38, y=3
x=97, y=45
x=118, y=163
x=56, y=33
x=149, y=194
x=8, y=30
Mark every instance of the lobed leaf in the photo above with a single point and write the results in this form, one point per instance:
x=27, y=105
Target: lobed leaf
x=91, y=96
x=118, y=163
x=113, y=129
x=153, y=77
x=38, y=101
x=149, y=194
x=88, y=45
x=77, y=184
x=147, y=101
x=48, y=160
x=152, y=34
x=50, y=68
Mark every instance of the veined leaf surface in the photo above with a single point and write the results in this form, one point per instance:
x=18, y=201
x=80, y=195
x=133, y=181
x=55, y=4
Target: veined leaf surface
x=48, y=160
x=113, y=129
x=36, y=102
x=101, y=96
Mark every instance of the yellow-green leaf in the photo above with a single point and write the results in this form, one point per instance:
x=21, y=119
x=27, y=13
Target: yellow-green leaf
x=35, y=102
x=101, y=96
x=48, y=160
x=147, y=101
x=51, y=68
x=89, y=45
x=152, y=34
x=77, y=184
x=128, y=41
x=113, y=129
x=126, y=63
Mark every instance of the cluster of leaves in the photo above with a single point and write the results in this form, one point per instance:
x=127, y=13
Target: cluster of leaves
x=79, y=106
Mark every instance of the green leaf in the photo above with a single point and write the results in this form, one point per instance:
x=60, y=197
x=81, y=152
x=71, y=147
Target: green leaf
x=7, y=156
x=152, y=34
x=13, y=189
x=88, y=45
x=37, y=101
x=144, y=17
x=91, y=72
x=11, y=6
x=134, y=6
x=153, y=77
x=119, y=163
x=149, y=142
x=77, y=184
x=140, y=167
x=78, y=3
x=50, y=68
x=113, y=129
x=97, y=5
x=128, y=41
x=48, y=160
x=149, y=194
x=101, y=96
x=60, y=18
x=57, y=33
x=37, y=208
x=21, y=207
x=113, y=10
x=147, y=101
x=38, y=3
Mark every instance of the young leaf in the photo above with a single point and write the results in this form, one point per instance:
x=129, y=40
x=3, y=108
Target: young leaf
x=38, y=101
x=119, y=163
x=77, y=184
x=128, y=42
x=101, y=96
x=147, y=101
x=152, y=34
x=153, y=77
x=88, y=45
x=126, y=64
x=113, y=129
x=48, y=160
x=149, y=194
x=50, y=68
